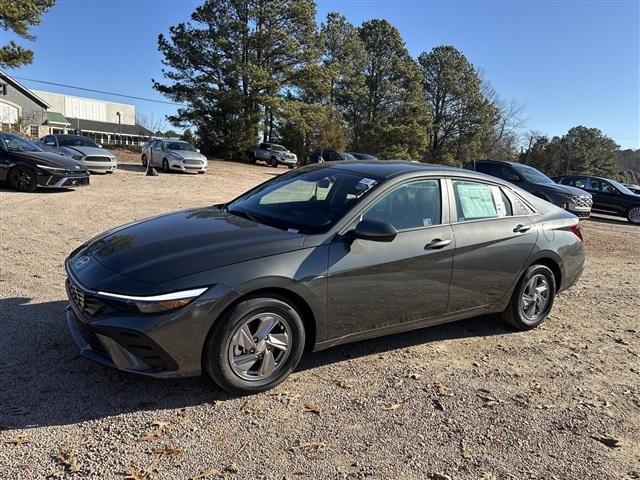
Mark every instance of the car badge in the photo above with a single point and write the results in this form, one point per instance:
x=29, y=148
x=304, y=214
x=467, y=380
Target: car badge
x=81, y=262
x=77, y=166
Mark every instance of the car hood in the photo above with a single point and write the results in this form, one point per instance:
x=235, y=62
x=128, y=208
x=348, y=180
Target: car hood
x=93, y=151
x=188, y=155
x=182, y=243
x=51, y=160
x=564, y=189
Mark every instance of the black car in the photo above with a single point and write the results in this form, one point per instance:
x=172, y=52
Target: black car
x=609, y=196
x=574, y=200
x=322, y=155
x=26, y=166
x=363, y=156
x=323, y=255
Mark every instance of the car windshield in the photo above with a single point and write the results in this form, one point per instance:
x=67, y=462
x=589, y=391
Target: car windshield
x=305, y=201
x=348, y=156
x=180, y=146
x=76, y=142
x=532, y=175
x=278, y=148
x=14, y=143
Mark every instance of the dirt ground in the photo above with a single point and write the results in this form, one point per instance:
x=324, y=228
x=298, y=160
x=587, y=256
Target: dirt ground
x=469, y=400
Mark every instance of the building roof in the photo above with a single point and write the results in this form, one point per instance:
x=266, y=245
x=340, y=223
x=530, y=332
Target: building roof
x=57, y=118
x=110, y=128
x=24, y=90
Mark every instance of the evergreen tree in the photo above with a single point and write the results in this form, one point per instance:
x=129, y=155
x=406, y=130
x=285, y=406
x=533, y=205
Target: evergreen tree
x=18, y=16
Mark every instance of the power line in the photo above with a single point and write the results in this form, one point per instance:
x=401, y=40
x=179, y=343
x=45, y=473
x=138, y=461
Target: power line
x=100, y=91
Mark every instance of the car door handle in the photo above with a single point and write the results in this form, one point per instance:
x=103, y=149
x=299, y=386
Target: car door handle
x=436, y=244
x=520, y=228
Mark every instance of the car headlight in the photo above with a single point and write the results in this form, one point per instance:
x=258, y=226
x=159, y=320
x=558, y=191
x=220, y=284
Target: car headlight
x=158, y=303
x=56, y=169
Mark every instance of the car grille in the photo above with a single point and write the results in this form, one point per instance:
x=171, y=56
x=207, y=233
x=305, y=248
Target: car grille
x=91, y=306
x=193, y=162
x=583, y=201
x=69, y=182
x=97, y=159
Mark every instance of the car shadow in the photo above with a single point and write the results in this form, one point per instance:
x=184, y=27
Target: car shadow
x=132, y=167
x=45, y=382
x=47, y=191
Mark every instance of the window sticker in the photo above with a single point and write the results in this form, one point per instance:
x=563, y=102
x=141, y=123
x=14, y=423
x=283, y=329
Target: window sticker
x=365, y=184
x=426, y=222
x=499, y=202
x=476, y=201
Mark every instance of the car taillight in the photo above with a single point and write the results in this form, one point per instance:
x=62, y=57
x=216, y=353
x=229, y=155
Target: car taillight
x=577, y=231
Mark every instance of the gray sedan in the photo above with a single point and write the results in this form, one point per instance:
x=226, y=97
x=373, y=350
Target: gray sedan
x=174, y=155
x=91, y=155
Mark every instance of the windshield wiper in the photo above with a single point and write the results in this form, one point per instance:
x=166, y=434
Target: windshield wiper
x=245, y=214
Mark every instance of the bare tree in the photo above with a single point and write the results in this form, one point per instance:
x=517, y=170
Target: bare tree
x=150, y=122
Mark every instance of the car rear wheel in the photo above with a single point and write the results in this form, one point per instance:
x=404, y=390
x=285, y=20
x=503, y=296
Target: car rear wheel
x=255, y=345
x=633, y=215
x=23, y=179
x=532, y=299
x=273, y=162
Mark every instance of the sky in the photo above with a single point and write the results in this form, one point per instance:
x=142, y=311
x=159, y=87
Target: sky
x=568, y=62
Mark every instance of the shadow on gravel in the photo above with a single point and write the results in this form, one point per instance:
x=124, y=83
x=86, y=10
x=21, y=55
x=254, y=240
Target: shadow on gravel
x=609, y=220
x=45, y=382
x=130, y=167
x=5, y=188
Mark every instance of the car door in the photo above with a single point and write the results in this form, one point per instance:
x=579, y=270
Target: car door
x=373, y=285
x=157, y=152
x=605, y=196
x=492, y=244
x=264, y=151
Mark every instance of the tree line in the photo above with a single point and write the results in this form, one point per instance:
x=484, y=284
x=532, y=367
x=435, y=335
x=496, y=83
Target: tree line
x=263, y=69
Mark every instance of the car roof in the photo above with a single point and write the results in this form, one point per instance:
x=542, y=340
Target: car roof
x=497, y=161
x=391, y=168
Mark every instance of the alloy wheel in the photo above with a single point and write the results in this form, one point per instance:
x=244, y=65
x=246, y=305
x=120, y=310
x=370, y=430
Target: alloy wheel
x=260, y=346
x=634, y=215
x=22, y=180
x=535, y=298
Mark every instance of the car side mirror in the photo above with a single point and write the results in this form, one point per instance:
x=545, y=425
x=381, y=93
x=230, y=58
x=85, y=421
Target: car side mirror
x=375, y=231
x=514, y=178
x=611, y=190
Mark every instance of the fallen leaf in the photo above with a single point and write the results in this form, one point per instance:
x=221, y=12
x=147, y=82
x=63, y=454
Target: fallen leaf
x=134, y=473
x=17, y=440
x=489, y=476
x=439, y=389
x=68, y=460
x=158, y=429
x=395, y=406
x=344, y=385
x=608, y=441
x=206, y=473
x=167, y=450
x=310, y=447
x=287, y=396
x=312, y=408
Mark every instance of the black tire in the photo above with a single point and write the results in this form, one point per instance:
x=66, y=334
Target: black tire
x=633, y=215
x=144, y=161
x=290, y=166
x=514, y=314
x=216, y=350
x=23, y=179
x=165, y=166
x=273, y=162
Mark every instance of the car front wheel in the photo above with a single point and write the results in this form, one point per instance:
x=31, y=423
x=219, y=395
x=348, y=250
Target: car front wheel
x=532, y=299
x=23, y=179
x=255, y=345
x=633, y=215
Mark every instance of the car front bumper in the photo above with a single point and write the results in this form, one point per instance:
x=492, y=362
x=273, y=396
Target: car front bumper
x=101, y=165
x=164, y=345
x=188, y=166
x=47, y=180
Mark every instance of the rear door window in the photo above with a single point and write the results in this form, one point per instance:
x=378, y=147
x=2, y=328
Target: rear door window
x=479, y=201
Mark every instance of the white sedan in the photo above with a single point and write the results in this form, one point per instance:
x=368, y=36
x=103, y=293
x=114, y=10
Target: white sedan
x=174, y=155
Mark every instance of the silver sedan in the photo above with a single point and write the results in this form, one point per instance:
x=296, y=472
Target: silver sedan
x=91, y=155
x=174, y=155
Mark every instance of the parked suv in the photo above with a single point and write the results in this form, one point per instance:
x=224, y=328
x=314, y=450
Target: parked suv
x=274, y=155
x=321, y=155
x=572, y=199
x=609, y=196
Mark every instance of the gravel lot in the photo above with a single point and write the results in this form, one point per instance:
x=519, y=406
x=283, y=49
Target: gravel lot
x=470, y=400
